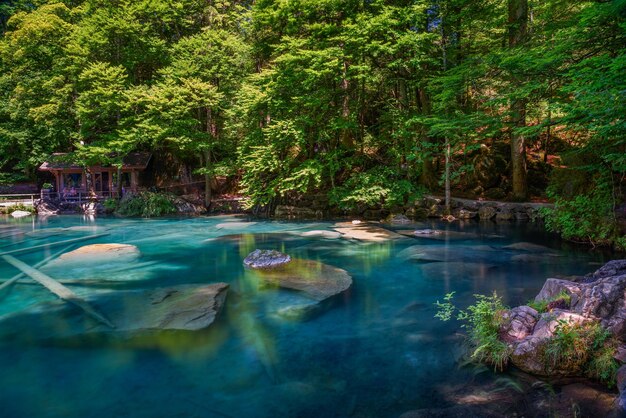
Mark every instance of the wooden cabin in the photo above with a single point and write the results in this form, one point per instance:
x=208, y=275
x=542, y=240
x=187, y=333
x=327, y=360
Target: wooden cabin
x=71, y=180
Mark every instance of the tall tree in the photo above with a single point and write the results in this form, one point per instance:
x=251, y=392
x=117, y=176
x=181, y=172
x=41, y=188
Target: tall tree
x=518, y=34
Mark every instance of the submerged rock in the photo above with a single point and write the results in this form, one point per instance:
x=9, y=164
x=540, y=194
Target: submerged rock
x=366, y=232
x=459, y=253
x=533, y=258
x=529, y=247
x=234, y=225
x=99, y=253
x=316, y=285
x=317, y=280
x=319, y=234
x=266, y=259
x=187, y=307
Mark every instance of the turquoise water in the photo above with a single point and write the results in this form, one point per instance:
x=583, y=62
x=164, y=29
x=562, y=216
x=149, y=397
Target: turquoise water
x=377, y=352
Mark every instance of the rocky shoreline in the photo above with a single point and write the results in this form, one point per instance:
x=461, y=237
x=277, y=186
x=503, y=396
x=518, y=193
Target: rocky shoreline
x=552, y=354
x=317, y=207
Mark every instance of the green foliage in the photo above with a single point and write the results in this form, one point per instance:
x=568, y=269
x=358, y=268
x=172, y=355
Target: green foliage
x=11, y=178
x=376, y=187
x=568, y=348
x=110, y=205
x=360, y=98
x=146, y=204
x=603, y=365
x=587, y=346
x=540, y=306
x=587, y=217
x=482, y=320
x=445, y=309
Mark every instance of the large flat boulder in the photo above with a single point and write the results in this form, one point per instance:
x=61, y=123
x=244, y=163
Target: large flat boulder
x=98, y=261
x=318, y=234
x=457, y=253
x=529, y=247
x=366, y=232
x=101, y=253
x=316, y=280
x=234, y=225
x=186, y=307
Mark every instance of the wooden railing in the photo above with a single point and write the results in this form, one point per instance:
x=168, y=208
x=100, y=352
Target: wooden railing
x=15, y=199
x=78, y=196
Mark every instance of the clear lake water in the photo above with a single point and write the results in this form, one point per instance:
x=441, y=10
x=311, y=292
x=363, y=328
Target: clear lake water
x=377, y=351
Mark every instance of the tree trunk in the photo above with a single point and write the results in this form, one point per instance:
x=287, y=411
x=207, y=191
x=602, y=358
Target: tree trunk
x=518, y=152
x=444, y=57
x=518, y=32
x=428, y=176
x=91, y=191
x=346, y=136
x=447, y=175
x=207, y=178
x=211, y=128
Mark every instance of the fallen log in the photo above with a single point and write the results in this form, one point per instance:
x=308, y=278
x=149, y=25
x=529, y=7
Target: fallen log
x=17, y=277
x=57, y=288
x=53, y=244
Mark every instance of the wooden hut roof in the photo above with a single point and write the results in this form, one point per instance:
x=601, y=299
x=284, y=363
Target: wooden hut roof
x=132, y=161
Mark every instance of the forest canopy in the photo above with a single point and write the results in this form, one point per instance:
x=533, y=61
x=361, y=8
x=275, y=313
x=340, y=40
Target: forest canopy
x=370, y=101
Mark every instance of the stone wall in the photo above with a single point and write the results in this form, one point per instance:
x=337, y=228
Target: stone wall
x=318, y=207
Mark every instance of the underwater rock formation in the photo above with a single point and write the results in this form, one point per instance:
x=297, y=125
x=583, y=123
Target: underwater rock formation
x=316, y=283
x=186, y=307
x=316, y=280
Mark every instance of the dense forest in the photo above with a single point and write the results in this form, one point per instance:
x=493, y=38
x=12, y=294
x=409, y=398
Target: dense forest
x=371, y=101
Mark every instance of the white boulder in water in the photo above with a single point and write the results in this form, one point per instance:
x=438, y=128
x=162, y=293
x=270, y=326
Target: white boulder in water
x=20, y=213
